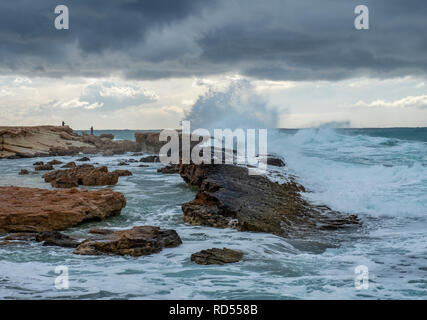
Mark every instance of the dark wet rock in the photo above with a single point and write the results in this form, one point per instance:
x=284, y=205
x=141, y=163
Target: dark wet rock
x=122, y=163
x=55, y=162
x=55, y=238
x=273, y=161
x=71, y=164
x=132, y=160
x=229, y=196
x=83, y=159
x=86, y=175
x=23, y=172
x=38, y=163
x=123, y=173
x=143, y=166
x=216, y=256
x=170, y=169
x=137, y=154
x=44, y=167
x=138, y=241
x=150, y=159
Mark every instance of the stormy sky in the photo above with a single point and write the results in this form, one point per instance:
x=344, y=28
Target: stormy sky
x=144, y=64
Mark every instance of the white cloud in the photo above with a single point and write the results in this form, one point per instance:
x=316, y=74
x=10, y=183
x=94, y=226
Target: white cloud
x=407, y=102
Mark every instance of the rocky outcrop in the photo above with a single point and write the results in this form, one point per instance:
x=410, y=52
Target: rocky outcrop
x=55, y=238
x=216, y=256
x=44, y=167
x=230, y=197
x=71, y=164
x=150, y=159
x=149, y=142
x=39, y=141
x=123, y=173
x=37, y=210
x=170, y=169
x=86, y=175
x=135, y=242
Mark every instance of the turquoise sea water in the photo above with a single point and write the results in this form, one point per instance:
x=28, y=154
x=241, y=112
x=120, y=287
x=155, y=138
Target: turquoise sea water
x=378, y=174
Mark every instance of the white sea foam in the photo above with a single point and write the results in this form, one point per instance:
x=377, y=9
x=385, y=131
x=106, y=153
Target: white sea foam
x=357, y=174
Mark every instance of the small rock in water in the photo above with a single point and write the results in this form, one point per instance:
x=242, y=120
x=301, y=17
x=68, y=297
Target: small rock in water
x=123, y=173
x=44, y=167
x=83, y=159
x=171, y=169
x=54, y=162
x=23, y=172
x=55, y=238
x=38, y=163
x=276, y=162
x=123, y=163
x=150, y=159
x=216, y=256
x=138, y=241
x=71, y=164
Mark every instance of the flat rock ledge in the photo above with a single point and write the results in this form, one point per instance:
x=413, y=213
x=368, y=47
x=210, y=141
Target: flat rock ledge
x=229, y=197
x=216, y=256
x=37, y=210
x=41, y=141
x=86, y=175
x=138, y=241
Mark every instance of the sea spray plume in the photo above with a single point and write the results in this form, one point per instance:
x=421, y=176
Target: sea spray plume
x=238, y=106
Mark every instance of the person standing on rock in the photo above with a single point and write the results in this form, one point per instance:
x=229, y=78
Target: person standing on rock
x=63, y=123
x=91, y=130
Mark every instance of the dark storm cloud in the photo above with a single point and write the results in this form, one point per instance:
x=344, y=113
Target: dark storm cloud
x=275, y=39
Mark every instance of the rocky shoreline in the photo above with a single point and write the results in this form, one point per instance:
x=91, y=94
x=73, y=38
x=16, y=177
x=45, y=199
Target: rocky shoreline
x=227, y=197
x=44, y=141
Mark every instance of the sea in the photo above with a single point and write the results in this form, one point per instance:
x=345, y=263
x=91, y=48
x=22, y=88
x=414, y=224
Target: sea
x=380, y=175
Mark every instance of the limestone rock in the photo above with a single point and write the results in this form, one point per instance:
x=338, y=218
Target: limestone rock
x=37, y=210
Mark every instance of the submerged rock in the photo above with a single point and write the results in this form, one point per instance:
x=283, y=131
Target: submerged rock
x=86, y=175
x=71, y=164
x=23, y=172
x=150, y=159
x=55, y=238
x=170, y=169
x=37, y=210
x=55, y=162
x=138, y=241
x=123, y=173
x=44, y=167
x=83, y=159
x=216, y=256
